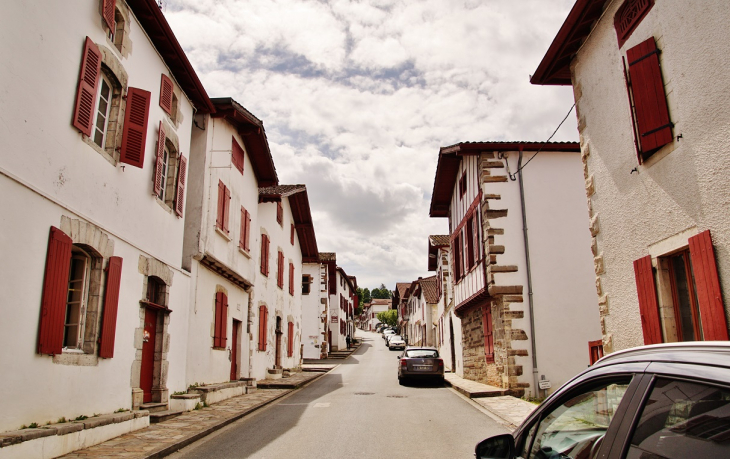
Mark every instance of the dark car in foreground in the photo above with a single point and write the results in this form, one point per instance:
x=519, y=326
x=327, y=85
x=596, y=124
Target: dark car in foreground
x=664, y=401
x=420, y=363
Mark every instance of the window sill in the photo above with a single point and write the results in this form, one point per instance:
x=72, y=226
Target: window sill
x=223, y=233
x=244, y=252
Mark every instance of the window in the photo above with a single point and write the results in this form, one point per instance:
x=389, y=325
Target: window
x=595, y=350
x=265, y=255
x=220, y=332
x=164, y=161
x=279, y=213
x=103, y=106
x=682, y=419
x=456, y=249
x=291, y=279
x=462, y=185
x=119, y=35
x=688, y=305
x=156, y=291
x=224, y=199
x=169, y=167
x=166, y=92
x=469, y=243
x=108, y=13
x=236, y=155
x=628, y=17
x=653, y=128
x=78, y=291
x=280, y=270
x=290, y=339
x=243, y=242
x=306, y=284
x=263, y=327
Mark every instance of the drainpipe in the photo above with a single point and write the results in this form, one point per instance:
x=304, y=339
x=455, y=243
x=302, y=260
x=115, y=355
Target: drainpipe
x=248, y=331
x=529, y=277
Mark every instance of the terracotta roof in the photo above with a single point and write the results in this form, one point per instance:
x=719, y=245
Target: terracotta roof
x=280, y=191
x=430, y=289
x=450, y=158
x=254, y=138
x=327, y=256
x=435, y=243
x=158, y=30
x=554, y=69
x=440, y=240
x=381, y=301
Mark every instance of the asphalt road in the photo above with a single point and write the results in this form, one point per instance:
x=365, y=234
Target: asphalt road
x=358, y=410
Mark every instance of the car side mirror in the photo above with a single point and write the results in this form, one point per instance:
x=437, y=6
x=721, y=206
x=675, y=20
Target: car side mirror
x=497, y=447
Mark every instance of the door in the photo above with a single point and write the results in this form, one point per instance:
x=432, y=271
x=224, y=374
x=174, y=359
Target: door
x=148, y=354
x=234, y=349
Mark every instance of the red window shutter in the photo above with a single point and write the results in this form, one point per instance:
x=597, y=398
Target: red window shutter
x=55, y=291
x=290, y=340
x=224, y=320
x=291, y=278
x=237, y=155
x=220, y=211
x=159, y=160
x=650, y=101
x=107, y=12
x=469, y=242
x=111, y=304
x=280, y=270
x=595, y=350
x=628, y=17
x=292, y=234
x=264, y=327
x=83, y=117
x=135, y=127
x=182, y=168
x=217, y=320
x=261, y=328
x=166, y=94
x=279, y=213
x=226, y=207
x=460, y=248
x=707, y=283
x=242, y=236
x=648, y=306
x=263, y=255
x=488, y=333
x=246, y=241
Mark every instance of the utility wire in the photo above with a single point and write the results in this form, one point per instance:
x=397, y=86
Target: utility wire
x=513, y=177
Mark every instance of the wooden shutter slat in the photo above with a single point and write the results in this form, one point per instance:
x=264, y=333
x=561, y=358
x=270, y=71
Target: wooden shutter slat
x=648, y=306
x=290, y=340
x=280, y=270
x=219, y=210
x=111, y=306
x=107, y=12
x=134, y=133
x=166, y=94
x=247, y=241
x=226, y=208
x=159, y=161
x=89, y=75
x=182, y=169
x=709, y=294
x=650, y=101
x=54, y=295
x=291, y=278
x=237, y=155
x=224, y=321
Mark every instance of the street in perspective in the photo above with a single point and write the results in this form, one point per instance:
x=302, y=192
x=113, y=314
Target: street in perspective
x=365, y=229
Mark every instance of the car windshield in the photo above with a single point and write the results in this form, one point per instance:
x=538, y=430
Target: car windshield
x=395, y=337
x=422, y=353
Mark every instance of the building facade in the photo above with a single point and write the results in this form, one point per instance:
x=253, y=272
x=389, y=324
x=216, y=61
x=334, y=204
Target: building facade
x=448, y=333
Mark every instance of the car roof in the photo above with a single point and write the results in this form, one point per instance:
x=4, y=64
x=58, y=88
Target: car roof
x=423, y=348
x=714, y=353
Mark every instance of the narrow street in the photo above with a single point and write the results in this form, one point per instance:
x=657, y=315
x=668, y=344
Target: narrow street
x=357, y=411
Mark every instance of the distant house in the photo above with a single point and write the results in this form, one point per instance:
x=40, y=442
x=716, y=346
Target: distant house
x=341, y=289
x=651, y=90
x=422, y=303
x=400, y=304
x=503, y=281
x=377, y=305
x=448, y=333
x=315, y=308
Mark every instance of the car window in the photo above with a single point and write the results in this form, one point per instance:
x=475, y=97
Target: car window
x=422, y=354
x=683, y=419
x=575, y=428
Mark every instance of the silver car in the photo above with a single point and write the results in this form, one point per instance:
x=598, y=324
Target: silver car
x=396, y=342
x=420, y=363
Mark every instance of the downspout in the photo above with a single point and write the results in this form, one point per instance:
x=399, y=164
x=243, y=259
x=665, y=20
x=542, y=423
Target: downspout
x=529, y=276
x=249, y=323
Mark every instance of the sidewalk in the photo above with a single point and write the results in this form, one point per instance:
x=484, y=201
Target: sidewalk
x=507, y=410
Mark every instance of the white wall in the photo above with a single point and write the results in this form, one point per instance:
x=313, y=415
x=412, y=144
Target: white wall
x=312, y=308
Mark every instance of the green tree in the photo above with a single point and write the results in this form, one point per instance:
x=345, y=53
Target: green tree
x=389, y=317
x=382, y=292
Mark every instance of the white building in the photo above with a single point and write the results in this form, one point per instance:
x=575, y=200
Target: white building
x=504, y=282
x=315, y=308
x=448, y=334
x=377, y=305
x=422, y=302
x=651, y=93
x=92, y=191
x=342, y=299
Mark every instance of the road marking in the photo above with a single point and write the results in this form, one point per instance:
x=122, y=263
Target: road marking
x=321, y=405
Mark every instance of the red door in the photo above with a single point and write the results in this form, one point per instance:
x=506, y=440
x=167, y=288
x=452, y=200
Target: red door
x=234, y=350
x=148, y=354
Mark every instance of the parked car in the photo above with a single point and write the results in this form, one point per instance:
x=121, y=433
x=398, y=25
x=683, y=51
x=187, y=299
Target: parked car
x=386, y=332
x=664, y=401
x=396, y=342
x=420, y=363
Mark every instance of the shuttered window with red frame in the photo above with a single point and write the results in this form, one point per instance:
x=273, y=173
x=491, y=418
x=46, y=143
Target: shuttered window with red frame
x=290, y=340
x=653, y=126
x=107, y=12
x=265, y=255
x=469, y=242
x=54, y=294
x=224, y=199
x=159, y=161
x=166, y=94
x=221, y=320
x=236, y=155
x=182, y=168
x=648, y=305
x=111, y=305
x=456, y=251
x=279, y=213
x=292, y=234
x=244, y=239
x=595, y=351
x=707, y=286
x=488, y=333
x=291, y=279
x=280, y=270
x=134, y=132
x=263, y=321
x=86, y=91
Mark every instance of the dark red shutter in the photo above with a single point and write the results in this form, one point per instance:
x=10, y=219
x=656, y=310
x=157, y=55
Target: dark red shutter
x=291, y=278
x=224, y=321
x=264, y=255
x=217, y=320
x=242, y=235
x=261, y=328
x=650, y=101
x=237, y=155
x=290, y=340
x=246, y=242
x=111, y=305
x=107, y=11
x=292, y=234
x=83, y=118
x=159, y=160
x=55, y=291
x=182, y=168
x=488, y=334
x=221, y=198
x=166, y=94
x=707, y=283
x=279, y=213
x=648, y=306
x=628, y=17
x=226, y=208
x=134, y=133
x=280, y=270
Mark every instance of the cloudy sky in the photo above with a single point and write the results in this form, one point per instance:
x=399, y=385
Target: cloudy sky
x=358, y=96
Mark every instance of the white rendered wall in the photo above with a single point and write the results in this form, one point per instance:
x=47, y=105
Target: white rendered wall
x=683, y=187
x=312, y=310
